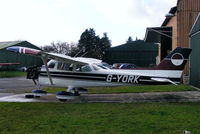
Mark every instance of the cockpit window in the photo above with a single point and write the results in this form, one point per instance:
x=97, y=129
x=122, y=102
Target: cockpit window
x=83, y=68
x=52, y=64
x=86, y=68
x=65, y=66
x=95, y=67
x=59, y=66
x=100, y=66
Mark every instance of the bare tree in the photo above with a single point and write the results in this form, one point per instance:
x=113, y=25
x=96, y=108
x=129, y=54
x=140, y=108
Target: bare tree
x=61, y=47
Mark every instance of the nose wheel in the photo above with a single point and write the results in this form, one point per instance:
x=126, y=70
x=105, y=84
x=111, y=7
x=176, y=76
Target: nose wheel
x=64, y=96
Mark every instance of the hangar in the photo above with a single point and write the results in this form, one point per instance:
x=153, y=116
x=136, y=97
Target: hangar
x=137, y=52
x=195, y=56
x=175, y=29
x=23, y=60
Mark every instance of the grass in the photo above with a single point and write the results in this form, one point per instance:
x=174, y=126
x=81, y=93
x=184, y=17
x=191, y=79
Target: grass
x=62, y=118
x=131, y=89
x=6, y=74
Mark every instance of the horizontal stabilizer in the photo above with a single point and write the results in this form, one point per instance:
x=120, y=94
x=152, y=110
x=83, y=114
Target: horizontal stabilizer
x=163, y=80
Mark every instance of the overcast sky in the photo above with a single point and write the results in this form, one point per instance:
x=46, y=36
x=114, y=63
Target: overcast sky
x=43, y=21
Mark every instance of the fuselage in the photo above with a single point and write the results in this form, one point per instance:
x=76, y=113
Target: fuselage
x=68, y=75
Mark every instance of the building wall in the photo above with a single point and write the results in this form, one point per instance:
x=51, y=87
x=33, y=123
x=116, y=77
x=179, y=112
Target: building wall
x=139, y=53
x=173, y=24
x=195, y=56
x=187, y=11
x=24, y=60
x=195, y=61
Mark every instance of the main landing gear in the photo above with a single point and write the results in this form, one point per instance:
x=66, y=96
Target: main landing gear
x=33, y=73
x=72, y=93
x=64, y=96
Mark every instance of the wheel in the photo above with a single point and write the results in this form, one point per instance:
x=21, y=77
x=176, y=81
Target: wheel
x=63, y=100
x=37, y=96
x=29, y=96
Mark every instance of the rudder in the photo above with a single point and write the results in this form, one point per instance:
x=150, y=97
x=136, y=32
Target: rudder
x=176, y=60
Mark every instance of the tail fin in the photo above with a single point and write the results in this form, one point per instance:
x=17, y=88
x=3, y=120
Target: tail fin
x=176, y=60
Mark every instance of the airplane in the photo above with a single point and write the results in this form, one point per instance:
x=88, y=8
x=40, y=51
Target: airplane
x=76, y=73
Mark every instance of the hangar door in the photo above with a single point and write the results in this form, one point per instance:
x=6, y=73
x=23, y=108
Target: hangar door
x=195, y=55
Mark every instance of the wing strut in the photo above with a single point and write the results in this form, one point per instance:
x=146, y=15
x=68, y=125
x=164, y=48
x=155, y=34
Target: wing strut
x=48, y=73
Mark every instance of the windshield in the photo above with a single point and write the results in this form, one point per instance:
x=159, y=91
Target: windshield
x=83, y=68
x=99, y=66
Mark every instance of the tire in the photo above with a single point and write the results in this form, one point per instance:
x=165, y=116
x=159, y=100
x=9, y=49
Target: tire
x=29, y=96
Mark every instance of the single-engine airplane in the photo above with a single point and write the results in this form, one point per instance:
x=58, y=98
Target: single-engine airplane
x=78, y=72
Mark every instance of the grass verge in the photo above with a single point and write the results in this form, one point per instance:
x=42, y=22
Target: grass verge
x=137, y=118
x=6, y=74
x=131, y=89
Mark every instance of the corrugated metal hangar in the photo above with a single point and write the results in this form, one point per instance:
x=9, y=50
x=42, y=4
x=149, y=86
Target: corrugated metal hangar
x=23, y=60
x=137, y=52
x=195, y=56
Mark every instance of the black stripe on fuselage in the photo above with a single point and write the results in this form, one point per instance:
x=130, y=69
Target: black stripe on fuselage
x=76, y=75
x=131, y=79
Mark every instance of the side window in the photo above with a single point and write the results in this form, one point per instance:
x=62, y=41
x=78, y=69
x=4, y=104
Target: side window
x=65, y=66
x=83, y=68
x=59, y=66
x=78, y=68
x=86, y=68
x=52, y=65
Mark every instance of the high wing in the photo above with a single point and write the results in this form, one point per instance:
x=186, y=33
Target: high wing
x=74, y=60
x=59, y=57
x=55, y=56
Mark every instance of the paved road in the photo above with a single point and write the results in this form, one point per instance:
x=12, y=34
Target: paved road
x=190, y=96
x=16, y=85
x=13, y=89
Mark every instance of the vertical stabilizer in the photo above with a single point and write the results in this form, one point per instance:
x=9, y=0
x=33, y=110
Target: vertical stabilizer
x=176, y=60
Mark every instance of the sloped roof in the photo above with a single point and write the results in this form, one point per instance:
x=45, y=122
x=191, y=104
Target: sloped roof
x=167, y=19
x=9, y=43
x=135, y=45
x=14, y=43
x=154, y=34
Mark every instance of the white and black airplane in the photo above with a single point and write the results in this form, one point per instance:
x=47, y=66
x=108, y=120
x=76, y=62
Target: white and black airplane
x=77, y=72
